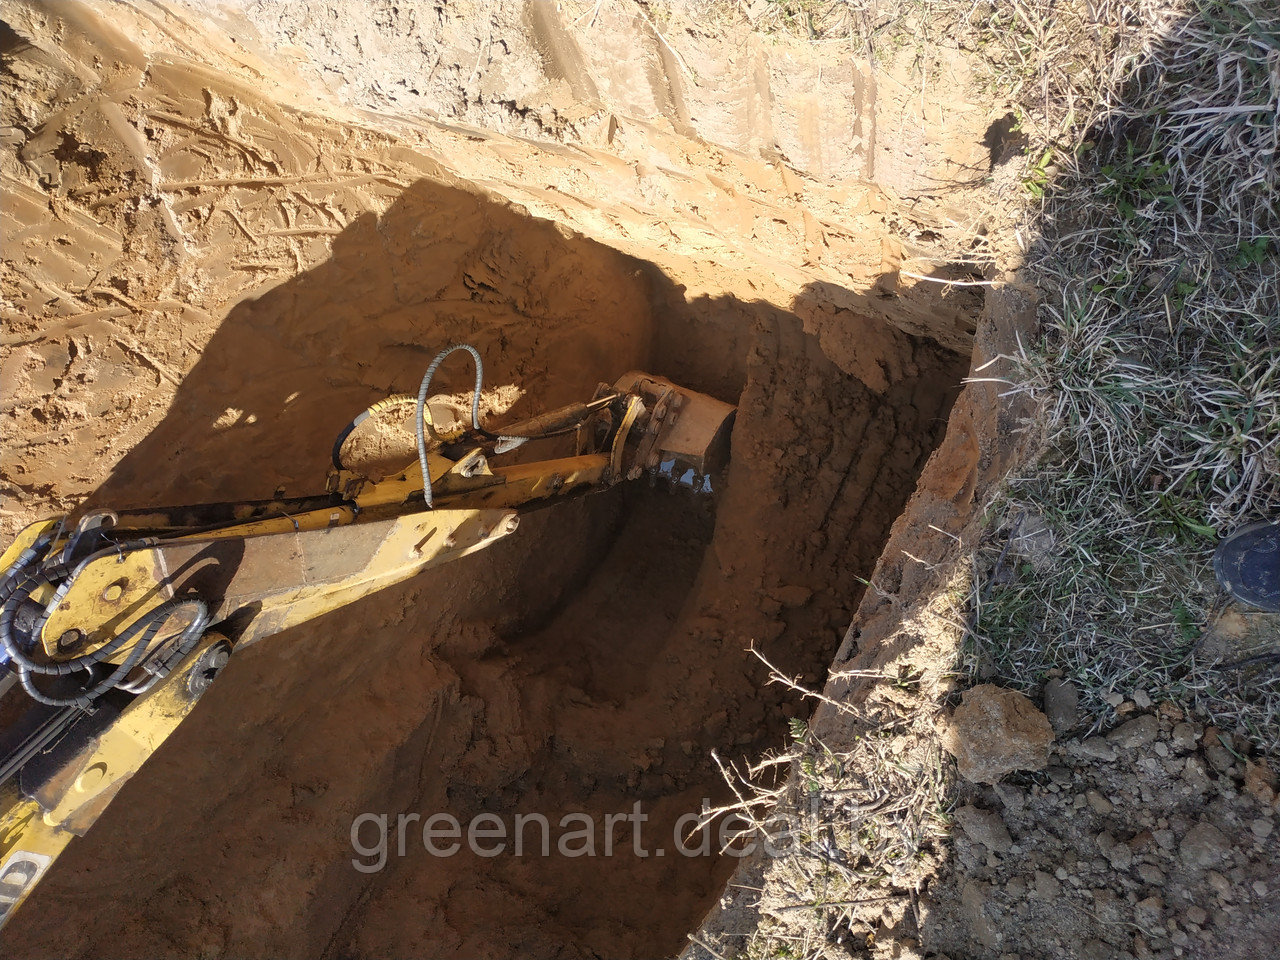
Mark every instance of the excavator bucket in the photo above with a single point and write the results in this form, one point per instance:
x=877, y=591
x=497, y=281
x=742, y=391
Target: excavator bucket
x=683, y=435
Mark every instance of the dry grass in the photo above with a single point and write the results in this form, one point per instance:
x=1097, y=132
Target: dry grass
x=1149, y=184
x=857, y=829
x=1158, y=374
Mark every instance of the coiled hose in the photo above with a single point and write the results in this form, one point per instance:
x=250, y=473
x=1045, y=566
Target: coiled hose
x=153, y=620
x=422, y=423
x=24, y=560
x=20, y=581
x=503, y=443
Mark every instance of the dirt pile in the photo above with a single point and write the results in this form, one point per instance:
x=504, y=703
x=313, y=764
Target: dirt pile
x=568, y=71
x=1159, y=837
x=207, y=274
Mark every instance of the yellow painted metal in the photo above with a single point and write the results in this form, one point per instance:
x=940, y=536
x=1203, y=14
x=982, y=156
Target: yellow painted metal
x=265, y=575
x=28, y=847
x=79, y=792
x=286, y=575
x=694, y=428
x=634, y=406
x=309, y=520
x=401, y=487
x=489, y=486
x=34, y=830
x=524, y=484
x=110, y=593
x=409, y=545
x=25, y=538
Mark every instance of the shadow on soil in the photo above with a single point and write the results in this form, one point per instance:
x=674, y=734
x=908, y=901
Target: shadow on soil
x=592, y=661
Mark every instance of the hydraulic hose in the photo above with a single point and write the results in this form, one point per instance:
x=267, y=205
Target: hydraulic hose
x=387, y=403
x=21, y=593
x=152, y=621
x=16, y=589
x=24, y=560
x=422, y=425
x=419, y=419
x=503, y=443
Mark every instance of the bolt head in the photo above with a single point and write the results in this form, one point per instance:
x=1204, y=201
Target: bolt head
x=207, y=667
x=70, y=640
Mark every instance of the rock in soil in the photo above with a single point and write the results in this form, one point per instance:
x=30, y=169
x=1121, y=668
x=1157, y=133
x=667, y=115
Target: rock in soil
x=1136, y=733
x=985, y=828
x=1204, y=846
x=996, y=731
x=1060, y=699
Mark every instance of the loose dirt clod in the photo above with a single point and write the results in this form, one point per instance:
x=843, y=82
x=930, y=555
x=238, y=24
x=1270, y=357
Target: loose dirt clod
x=995, y=732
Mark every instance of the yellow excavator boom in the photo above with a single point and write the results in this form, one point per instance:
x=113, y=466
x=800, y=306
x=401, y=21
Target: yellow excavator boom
x=115, y=624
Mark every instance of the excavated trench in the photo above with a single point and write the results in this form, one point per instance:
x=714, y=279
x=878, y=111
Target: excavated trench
x=297, y=268
x=595, y=660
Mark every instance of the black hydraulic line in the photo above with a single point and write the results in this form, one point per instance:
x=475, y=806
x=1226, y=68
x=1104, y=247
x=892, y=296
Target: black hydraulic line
x=16, y=589
x=16, y=597
x=152, y=620
x=384, y=404
x=24, y=560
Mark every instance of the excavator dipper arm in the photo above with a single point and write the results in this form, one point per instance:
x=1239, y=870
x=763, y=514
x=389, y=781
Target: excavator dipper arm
x=115, y=624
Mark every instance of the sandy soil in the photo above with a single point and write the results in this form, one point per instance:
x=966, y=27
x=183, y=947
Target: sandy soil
x=229, y=228
x=211, y=264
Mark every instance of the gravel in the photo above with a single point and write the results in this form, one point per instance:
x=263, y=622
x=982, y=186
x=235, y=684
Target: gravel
x=1203, y=846
x=1136, y=733
x=1123, y=849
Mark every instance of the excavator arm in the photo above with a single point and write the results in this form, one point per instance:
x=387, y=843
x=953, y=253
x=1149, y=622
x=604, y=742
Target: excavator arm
x=114, y=624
